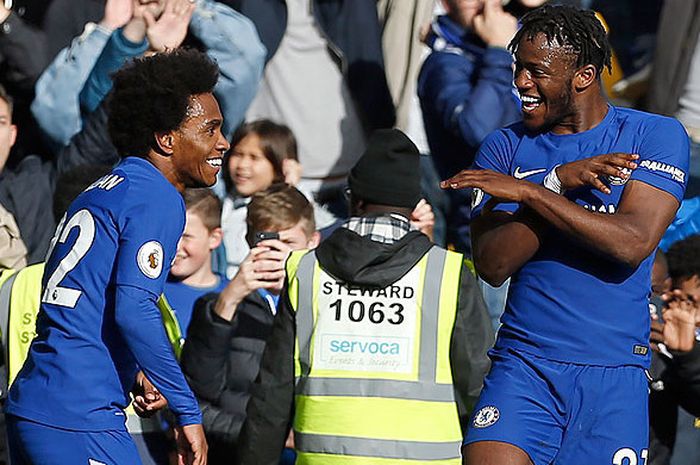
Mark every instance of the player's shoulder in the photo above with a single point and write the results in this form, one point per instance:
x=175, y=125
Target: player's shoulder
x=650, y=123
x=144, y=186
x=504, y=140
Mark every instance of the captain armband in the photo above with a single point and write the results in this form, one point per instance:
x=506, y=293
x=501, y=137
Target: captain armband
x=552, y=181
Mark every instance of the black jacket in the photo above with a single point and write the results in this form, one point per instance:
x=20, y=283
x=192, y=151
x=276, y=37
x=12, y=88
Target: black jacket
x=362, y=262
x=676, y=384
x=353, y=29
x=221, y=360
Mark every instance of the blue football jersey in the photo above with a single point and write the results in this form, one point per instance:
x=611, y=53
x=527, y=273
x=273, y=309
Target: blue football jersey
x=182, y=298
x=569, y=303
x=98, y=322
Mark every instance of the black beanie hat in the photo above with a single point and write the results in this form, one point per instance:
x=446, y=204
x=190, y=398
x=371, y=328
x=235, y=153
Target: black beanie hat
x=388, y=173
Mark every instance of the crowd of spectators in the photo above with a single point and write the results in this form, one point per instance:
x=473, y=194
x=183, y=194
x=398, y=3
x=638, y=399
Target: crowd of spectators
x=303, y=84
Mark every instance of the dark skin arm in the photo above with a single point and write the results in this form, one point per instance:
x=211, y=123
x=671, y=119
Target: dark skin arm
x=503, y=242
x=628, y=236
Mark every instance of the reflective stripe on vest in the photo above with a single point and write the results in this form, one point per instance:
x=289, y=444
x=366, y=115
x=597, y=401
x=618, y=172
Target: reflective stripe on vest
x=171, y=325
x=7, y=277
x=346, y=416
x=25, y=295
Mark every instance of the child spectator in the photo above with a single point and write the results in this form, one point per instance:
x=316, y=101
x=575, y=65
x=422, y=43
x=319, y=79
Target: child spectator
x=262, y=153
x=191, y=275
x=226, y=339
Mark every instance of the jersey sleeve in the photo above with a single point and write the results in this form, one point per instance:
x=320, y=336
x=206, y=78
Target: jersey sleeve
x=664, y=157
x=494, y=154
x=148, y=238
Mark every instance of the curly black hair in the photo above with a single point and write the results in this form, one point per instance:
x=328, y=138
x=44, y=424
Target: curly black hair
x=684, y=258
x=151, y=95
x=570, y=27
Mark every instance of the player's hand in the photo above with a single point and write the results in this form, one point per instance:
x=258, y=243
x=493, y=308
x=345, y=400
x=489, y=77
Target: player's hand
x=168, y=31
x=494, y=26
x=147, y=399
x=423, y=218
x=679, y=321
x=501, y=187
x=117, y=14
x=191, y=445
x=589, y=171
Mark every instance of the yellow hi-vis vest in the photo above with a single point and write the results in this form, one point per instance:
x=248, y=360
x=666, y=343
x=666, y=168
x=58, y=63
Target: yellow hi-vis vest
x=20, y=299
x=373, y=382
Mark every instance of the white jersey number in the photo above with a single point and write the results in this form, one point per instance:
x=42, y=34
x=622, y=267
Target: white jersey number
x=64, y=296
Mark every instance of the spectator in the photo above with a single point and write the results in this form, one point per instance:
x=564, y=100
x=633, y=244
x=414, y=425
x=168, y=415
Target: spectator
x=191, y=275
x=58, y=86
x=675, y=81
x=83, y=75
x=25, y=189
x=23, y=57
x=227, y=336
x=263, y=152
x=13, y=252
x=345, y=340
x=325, y=80
x=675, y=368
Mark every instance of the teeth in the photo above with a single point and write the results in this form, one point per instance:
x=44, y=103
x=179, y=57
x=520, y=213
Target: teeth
x=215, y=162
x=529, y=100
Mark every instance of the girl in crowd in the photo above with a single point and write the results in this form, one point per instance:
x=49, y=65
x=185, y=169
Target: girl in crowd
x=262, y=153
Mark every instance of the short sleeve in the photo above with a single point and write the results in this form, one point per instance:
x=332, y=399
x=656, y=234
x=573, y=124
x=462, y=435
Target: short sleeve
x=494, y=154
x=664, y=157
x=150, y=229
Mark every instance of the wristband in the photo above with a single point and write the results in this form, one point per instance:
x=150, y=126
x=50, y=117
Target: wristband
x=552, y=181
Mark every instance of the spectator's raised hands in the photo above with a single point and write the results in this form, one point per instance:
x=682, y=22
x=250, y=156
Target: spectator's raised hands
x=680, y=318
x=167, y=31
x=494, y=26
x=135, y=29
x=263, y=268
x=117, y=13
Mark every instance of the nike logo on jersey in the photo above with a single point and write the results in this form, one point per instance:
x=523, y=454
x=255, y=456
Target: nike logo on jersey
x=524, y=174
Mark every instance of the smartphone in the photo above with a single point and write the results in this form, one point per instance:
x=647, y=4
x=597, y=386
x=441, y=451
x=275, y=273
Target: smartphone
x=264, y=236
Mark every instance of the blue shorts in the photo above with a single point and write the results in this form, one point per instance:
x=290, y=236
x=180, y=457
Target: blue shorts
x=564, y=413
x=36, y=444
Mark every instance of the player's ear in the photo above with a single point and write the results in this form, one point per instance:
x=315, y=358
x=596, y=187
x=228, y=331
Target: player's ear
x=164, y=142
x=584, y=77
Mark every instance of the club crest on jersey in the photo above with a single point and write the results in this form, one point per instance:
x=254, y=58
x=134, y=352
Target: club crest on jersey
x=485, y=417
x=477, y=197
x=619, y=181
x=150, y=259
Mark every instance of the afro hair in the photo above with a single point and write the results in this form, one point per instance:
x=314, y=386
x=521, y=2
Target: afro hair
x=152, y=94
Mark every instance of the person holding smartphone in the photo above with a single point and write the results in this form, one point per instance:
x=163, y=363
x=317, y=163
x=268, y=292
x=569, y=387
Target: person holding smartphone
x=228, y=332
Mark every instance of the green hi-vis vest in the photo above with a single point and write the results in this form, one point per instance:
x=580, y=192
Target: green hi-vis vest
x=20, y=295
x=372, y=366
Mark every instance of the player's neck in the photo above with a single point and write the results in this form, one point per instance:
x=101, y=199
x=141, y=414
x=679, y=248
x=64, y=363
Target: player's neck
x=587, y=114
x=204, y=277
